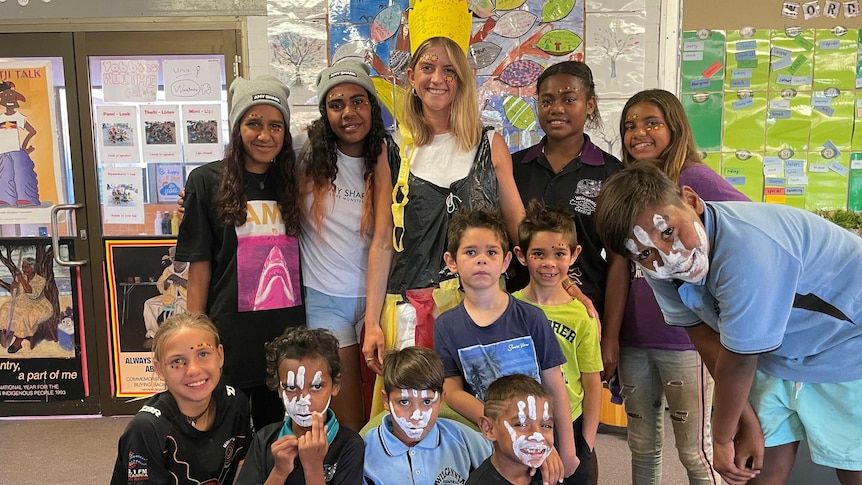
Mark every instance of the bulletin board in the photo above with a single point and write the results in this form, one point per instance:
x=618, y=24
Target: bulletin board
x=773, y=91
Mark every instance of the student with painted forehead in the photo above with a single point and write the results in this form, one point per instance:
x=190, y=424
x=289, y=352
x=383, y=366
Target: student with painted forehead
x=769, y=295
x=413, y=445
x=518, y=417
x=310, y=446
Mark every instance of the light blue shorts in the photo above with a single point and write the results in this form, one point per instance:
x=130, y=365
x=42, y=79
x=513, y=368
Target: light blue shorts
x=343, y=316
x=828, y=416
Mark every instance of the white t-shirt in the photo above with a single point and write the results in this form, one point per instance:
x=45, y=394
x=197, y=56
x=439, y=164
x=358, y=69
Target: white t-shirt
x=441, y=162
x=10, y=140
x=335, y=261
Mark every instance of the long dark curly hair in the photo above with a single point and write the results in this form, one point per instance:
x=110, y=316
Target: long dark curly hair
x=231, y=202
x=318, y=166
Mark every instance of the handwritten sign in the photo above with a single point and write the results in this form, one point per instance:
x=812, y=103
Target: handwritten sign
x=193, y=79
x=130, y=80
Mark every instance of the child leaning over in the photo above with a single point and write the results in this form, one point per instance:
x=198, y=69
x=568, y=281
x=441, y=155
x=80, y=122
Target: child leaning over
x=769, y=295
x=519, y=419
x=490, y=334
x=549, y=246
x=411, y=445
x=309, y=447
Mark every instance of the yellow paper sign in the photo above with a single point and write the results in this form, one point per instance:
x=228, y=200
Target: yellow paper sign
x=439, y=18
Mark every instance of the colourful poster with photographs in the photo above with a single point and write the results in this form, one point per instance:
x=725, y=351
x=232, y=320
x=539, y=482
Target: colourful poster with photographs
x=27, y=143
x=202, y=132
x=122, y=195
x=117, y=132
x=41, y=357
x=159, y=124
x=145, y=285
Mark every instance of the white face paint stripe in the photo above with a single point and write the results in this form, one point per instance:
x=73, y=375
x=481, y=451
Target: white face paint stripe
x=531, y=402
x=291, y=378
x=404, y=394
x=642, y=236
x=300, y=377
x=545, y=415
x=415, y=393
x=522, y=417
x=659, y=222
x=632, y=247
x=318, y=379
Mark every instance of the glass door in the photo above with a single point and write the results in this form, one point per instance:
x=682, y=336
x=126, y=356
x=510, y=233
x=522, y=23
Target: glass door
x=157, y=105
x=45, y=366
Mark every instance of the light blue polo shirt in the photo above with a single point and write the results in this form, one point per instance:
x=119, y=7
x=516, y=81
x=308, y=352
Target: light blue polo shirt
x=446, y=456
x=783, y=283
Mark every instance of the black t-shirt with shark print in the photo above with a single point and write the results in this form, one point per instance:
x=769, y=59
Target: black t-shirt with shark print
x=255, y=291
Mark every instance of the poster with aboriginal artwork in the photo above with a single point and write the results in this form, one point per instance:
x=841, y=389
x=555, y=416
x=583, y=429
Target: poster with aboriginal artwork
x=41, y=356
x=512, y=42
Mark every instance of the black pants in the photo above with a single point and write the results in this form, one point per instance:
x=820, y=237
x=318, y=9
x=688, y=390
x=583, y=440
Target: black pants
x=584, y=474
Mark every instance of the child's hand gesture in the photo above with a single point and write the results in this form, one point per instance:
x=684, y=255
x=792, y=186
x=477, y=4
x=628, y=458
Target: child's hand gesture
x=313, y=447
x=284, y=451
x=552, y=469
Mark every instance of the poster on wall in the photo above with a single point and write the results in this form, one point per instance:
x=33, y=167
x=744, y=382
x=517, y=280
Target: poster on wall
x=130, y=80
x=159, y=125
x=193, y=79
x=27, y=143
x=40, y=323
x=169, y=181
x=117, y=132
x=145, y=287
x=202, y=132
x=122, y=195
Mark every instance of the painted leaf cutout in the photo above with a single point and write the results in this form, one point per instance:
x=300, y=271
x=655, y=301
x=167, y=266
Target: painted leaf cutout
x=386, y=24
x=521, y=73
x=398, y=61
x=515, y=23
x=357, y=50
x=482, y=54
x=519, y=113
x=481, y=8
x=556, y=9
x=509, y=4
x=559, y=42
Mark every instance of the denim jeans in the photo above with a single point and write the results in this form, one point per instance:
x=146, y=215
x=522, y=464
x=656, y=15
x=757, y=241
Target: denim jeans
x=647, y=375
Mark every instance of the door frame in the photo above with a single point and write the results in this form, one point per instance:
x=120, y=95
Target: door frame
x=132, y=43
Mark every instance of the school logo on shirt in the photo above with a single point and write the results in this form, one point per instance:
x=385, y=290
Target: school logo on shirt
x=448, y=476
x=137, y=468
x=586, y=192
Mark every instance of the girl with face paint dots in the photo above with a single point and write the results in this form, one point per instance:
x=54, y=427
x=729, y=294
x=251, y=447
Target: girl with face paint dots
x=657, y=360
x=346, y=191
x=198, y=427
x=309, y=446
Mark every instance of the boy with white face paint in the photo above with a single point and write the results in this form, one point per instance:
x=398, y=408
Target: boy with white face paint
x=769, y=295
x=548, y=246
x=518, y=419
x=309, y=447
x=411, y=445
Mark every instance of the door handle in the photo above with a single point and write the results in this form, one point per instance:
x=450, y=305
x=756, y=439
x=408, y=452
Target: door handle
x=55, y=234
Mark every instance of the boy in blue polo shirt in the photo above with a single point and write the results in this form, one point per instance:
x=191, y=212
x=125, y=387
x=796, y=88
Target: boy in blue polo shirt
x=411, y=445
x=770, y=296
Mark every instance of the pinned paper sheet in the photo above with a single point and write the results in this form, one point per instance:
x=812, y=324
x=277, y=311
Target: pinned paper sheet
x=440, y=18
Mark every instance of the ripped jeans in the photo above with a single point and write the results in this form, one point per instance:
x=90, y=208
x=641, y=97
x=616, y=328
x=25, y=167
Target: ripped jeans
x=647, y=375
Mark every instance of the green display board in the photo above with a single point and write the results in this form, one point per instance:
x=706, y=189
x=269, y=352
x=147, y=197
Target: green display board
x=784, y=124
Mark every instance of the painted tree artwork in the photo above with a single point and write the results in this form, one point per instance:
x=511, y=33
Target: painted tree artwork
x=614, y=43
x=295, y=49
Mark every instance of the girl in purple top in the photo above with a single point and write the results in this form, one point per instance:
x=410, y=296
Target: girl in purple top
x=656, y=359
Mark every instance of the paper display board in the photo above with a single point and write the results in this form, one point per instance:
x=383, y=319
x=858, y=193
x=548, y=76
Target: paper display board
x=783, y=100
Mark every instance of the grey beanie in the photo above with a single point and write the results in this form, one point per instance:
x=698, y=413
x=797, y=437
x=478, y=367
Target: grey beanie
x=262, y=90
x=345, y=71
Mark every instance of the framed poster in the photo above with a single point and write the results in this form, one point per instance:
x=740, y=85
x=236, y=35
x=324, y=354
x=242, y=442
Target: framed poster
x=145, y=286
x=40, y=324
